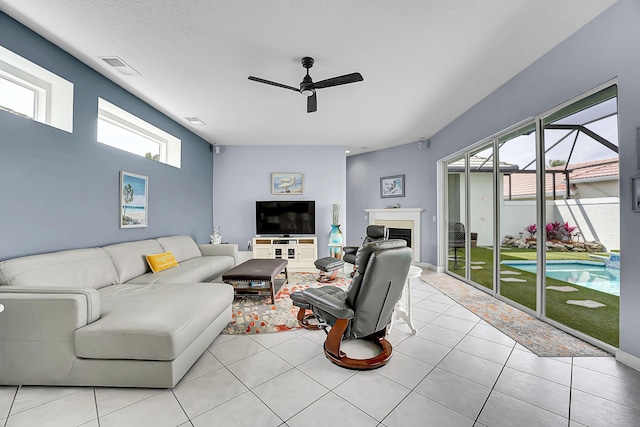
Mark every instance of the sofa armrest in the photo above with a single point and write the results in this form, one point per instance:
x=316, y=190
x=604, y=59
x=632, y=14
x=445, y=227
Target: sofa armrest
x=37, y=332
x=226, y=249
x=28, y=302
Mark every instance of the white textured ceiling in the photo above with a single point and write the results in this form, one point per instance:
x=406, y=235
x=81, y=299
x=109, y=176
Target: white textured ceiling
x=424, y=62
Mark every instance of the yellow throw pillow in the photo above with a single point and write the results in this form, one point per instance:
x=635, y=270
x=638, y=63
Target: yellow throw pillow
x=163, y=261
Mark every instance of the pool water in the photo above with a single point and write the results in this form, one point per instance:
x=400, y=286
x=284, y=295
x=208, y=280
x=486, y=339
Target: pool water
x=592, y=275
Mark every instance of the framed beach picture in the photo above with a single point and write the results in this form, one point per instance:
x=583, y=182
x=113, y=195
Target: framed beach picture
x=635, y=194
x=286, y=183
x=134, y=208
x=392, y=186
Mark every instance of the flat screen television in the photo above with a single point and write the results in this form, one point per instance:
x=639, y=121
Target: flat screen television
x=285, y=218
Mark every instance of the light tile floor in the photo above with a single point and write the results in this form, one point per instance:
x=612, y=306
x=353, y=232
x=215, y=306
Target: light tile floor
x=456, y=371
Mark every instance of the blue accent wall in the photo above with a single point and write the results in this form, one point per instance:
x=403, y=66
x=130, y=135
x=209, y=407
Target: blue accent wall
x=60, y=190
x=242, y=175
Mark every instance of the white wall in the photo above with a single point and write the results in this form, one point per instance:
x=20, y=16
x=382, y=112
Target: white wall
x=596, y=219
x=481, y=207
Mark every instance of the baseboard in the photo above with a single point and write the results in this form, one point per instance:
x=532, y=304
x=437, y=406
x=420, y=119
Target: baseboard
x=430, y=267
x=628, y=359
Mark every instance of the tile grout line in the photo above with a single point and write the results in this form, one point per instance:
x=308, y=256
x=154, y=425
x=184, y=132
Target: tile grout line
x=494, y=385
x=570, y=392
x=181, y=407
x=412, y=390
x=95, y=400
x=6, y=421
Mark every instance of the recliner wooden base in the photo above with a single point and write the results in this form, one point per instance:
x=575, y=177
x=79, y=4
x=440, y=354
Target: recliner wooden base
x=303, y=320
x=337, y=357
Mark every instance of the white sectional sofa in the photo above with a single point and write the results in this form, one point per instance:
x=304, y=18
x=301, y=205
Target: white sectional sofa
x=99, y=317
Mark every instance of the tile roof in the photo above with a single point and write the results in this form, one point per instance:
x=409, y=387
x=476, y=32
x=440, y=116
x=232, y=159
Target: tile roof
x=524, y=184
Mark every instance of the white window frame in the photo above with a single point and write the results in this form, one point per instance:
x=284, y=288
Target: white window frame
x=170, y=146
x=54, y=95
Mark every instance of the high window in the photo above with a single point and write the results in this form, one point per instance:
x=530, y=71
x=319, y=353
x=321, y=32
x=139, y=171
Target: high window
x=30, y=91
x=121, y=129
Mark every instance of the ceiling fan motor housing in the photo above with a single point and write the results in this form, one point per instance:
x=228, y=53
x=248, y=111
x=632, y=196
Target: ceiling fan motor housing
x=307, y=62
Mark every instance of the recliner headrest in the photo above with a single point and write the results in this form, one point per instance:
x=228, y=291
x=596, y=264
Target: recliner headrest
x=365, y=251
x=376, y=231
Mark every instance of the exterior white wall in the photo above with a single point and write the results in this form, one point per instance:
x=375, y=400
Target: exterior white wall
x=481, y=207
x=596, y=219
x=589, y=189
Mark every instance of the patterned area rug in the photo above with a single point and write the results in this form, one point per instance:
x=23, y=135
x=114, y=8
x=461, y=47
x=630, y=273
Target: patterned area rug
x=254, y=314
x=530, y=332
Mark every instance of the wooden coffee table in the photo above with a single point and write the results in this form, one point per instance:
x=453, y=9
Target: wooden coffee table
x=243, y=277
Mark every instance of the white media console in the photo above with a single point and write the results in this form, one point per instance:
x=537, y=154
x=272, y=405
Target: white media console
x=301, y=252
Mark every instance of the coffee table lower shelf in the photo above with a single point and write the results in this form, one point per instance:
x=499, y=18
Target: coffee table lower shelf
x=244, y=288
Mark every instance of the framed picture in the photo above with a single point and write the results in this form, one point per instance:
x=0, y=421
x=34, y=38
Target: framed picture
x=286, y=183
x=635, y=194
x=392, y=186
x=134, y=208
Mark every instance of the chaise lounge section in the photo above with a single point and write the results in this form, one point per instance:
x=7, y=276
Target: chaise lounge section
x=99, y=317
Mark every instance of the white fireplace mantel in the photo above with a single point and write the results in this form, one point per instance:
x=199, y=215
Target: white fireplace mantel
x=401, y=218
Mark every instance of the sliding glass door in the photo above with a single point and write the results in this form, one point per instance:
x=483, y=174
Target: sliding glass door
x=518, y=216
x=456, y=217
x=533, y=216
x=583, y=270
x=481, y=212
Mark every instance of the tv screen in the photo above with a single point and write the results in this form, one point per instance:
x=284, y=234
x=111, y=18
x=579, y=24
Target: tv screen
x=285, y=218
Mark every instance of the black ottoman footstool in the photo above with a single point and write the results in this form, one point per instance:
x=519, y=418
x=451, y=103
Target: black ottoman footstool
x=328, y=265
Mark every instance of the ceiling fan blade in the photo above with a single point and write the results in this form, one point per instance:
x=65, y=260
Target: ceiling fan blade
x=259, y=80
x=312, y=103
x=337, y=81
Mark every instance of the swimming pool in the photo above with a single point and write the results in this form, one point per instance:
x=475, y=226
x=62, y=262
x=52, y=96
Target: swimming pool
x=592, y=275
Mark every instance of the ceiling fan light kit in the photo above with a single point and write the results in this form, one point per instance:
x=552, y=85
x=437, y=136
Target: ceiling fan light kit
x=308, y=87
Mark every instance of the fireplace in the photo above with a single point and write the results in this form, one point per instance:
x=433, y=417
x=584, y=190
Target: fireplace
x=401, y=219
x=400, y=233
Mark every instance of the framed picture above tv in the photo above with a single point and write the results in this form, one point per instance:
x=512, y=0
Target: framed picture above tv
x=286, y=183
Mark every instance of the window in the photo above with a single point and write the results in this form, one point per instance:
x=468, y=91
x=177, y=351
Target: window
x=30, y=91
x=121, y=129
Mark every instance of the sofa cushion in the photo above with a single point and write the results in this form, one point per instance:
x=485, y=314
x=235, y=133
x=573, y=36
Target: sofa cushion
x=182, y=247
x=129, y=257
x=160, y=262
x=154, y=322
x=77, y=268
x=202, y=269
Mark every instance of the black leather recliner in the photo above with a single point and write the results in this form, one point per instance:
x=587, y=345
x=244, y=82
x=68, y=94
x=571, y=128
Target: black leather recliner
x=374, y=233
x=364, y=310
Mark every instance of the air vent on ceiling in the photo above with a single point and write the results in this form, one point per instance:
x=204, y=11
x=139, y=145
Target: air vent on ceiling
x=119, y=65
x=194, y=120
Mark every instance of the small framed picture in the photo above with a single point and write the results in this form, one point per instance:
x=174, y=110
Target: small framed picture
x=392, y=186
x=286, y=183
x=635, y=194
x=134, y=209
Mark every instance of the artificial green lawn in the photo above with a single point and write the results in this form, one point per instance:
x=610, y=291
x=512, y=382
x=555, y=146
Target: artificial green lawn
x=601, y=323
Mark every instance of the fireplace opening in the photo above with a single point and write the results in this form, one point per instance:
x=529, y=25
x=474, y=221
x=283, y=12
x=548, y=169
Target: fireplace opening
x=400, y=233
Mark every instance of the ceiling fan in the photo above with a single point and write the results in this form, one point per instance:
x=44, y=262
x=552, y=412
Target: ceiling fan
x=308, y=87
